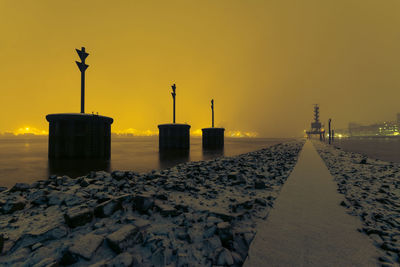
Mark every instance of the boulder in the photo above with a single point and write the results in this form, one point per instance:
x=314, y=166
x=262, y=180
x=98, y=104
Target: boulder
x=141, y=223
x=225, y=233
x=124, y=259
x=78, y=216
x=118, y=175
x=21, y=187
x=225, y=258
x=72, y=199
x=85, y=246
x=84, y=182
x=143, y=202
x=40, y=234
x=106, y=209
x=123, y=238
x=13, y=205
x=167, y=210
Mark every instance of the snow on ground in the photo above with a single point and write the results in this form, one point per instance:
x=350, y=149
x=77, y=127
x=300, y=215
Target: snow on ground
x=194, y=214
x=372, y=191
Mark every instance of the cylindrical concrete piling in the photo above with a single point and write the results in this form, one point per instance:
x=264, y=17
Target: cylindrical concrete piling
x=77, y=135
x=213, y=138
x=174, y=136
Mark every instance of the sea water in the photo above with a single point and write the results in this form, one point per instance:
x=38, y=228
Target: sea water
x=25, y=159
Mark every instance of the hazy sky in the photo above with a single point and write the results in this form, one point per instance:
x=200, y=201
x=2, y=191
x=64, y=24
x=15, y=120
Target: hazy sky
x=264, y=62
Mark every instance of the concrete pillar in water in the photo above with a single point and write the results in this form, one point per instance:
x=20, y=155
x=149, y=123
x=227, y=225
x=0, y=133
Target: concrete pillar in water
x=174, y=136
x=213, y=138
x=77, y=135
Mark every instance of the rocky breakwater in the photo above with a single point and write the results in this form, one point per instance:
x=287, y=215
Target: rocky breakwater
x=194, y=214
x=372, y=192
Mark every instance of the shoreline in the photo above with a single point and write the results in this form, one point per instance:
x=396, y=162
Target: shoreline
x=371, y=189
x=26, y=161
x=203, y=213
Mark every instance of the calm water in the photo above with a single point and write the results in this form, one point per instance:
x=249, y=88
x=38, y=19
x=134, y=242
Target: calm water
x=387, y=149
x=25, y=160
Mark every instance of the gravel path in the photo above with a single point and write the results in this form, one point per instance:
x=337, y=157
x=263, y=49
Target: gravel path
x=194, y=214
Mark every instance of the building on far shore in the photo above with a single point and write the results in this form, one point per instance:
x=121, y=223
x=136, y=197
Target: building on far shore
x=387, y=128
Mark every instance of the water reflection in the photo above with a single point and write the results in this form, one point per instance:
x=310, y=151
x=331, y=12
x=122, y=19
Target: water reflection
x=170, y=158
x=213, y=153
x=77, y=167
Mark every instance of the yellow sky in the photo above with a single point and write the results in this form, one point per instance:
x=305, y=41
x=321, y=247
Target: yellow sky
x=264, y=62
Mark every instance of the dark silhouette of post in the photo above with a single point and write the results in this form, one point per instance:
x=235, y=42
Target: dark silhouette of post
x=173, y=136
x=82, y=67
x=213, y=138
x=173, y=97
x=79, y=135
x=329, y=130
x=212, y=110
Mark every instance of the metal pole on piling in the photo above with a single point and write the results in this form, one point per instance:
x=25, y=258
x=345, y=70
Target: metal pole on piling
x=330, y=133
x=82, y=67
x=173, y=96
x=212, y=110
x=82, y=92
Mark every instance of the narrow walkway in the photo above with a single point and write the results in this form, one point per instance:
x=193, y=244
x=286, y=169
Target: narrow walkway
x=307, y=226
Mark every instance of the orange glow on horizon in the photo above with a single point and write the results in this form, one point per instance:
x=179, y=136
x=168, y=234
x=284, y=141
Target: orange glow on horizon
x=29, y=130
x=133, y=132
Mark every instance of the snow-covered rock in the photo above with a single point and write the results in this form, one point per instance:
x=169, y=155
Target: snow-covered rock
x=197, y=213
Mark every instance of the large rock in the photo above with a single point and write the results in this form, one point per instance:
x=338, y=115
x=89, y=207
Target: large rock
x=122, y=260
x=118, y=175
x=20, y=187
x=143, y=202
x=78, y=216
x=106, y=209
x=224, y=231
x=12, y=205
x=40, y=234
x=141, y=223
x=225, y=258
x=167, y=210
x=123, y=238
x=86, y=245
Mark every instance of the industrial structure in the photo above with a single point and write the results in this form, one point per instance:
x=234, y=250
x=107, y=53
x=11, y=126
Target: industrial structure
x=316, y=126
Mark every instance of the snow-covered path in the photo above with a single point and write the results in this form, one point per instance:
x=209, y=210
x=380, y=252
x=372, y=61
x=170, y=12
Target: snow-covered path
x=307, y=226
